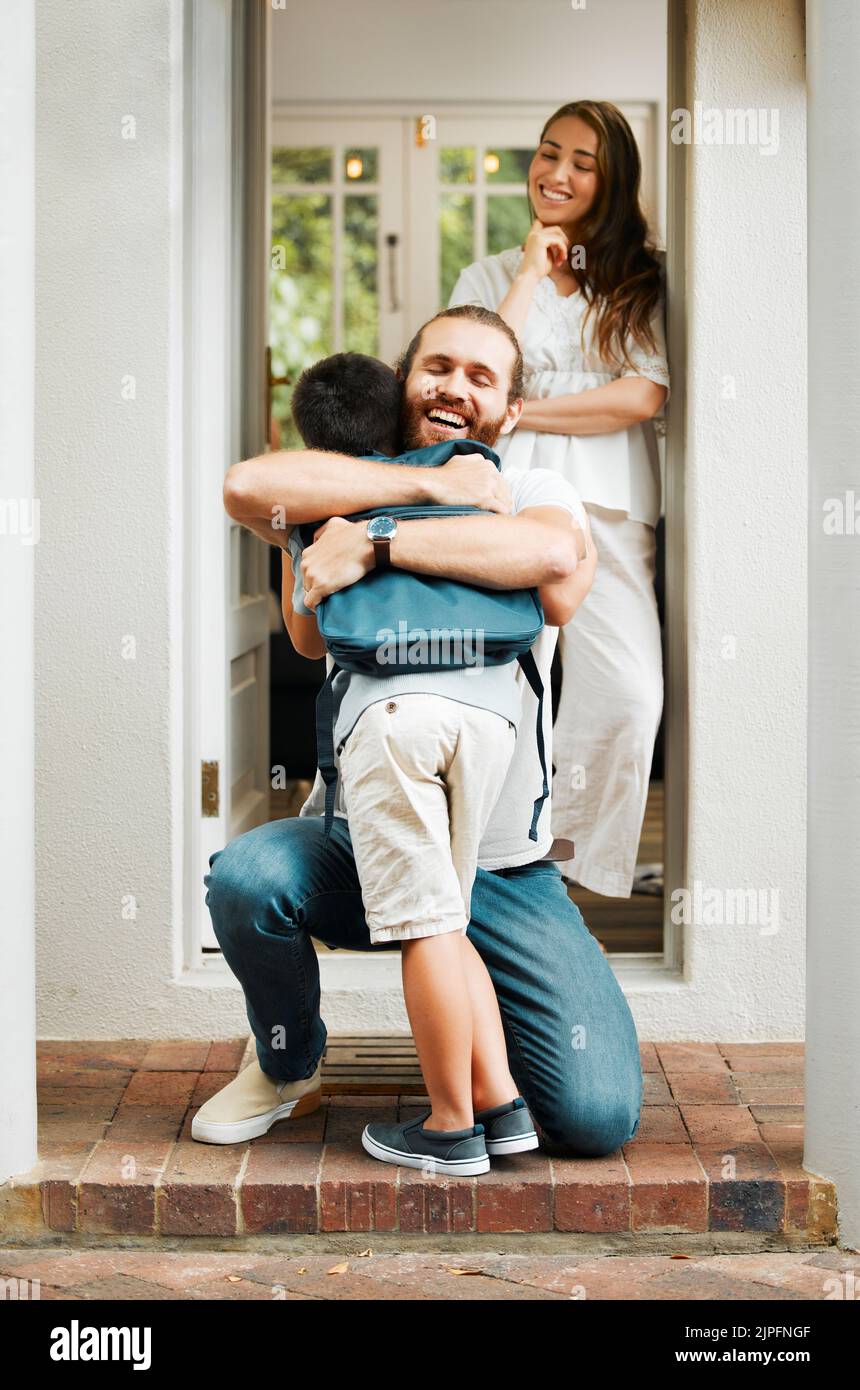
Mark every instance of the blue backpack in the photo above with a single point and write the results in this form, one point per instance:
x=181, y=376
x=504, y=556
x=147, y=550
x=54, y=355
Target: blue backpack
x=428, y=609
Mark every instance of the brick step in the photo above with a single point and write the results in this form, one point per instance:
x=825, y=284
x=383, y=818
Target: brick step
x=717, y=1157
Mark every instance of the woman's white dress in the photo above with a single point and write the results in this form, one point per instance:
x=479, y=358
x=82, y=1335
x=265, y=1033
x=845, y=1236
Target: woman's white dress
x=612, y=683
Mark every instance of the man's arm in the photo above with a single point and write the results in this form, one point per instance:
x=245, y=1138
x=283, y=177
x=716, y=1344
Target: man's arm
x=531, y=549
x=291, y=487
x=561, y=600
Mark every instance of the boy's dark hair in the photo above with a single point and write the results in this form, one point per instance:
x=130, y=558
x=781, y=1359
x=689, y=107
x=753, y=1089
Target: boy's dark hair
x=350, y=404
x=478, y=314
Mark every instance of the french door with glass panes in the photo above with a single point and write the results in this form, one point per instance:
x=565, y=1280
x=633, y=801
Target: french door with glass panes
x=337, y=259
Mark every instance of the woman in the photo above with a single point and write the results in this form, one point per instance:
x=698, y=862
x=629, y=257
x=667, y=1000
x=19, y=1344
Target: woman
x=584, y=296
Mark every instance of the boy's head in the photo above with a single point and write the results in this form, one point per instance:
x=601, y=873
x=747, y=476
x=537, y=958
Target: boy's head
x=349, y=404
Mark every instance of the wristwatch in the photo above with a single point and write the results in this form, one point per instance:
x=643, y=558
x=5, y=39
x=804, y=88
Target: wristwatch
x=381, y=530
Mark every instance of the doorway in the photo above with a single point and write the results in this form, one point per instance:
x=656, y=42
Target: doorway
x=372, y=219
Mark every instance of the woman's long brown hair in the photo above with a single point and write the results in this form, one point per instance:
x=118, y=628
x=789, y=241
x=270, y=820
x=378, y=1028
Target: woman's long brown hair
x=622, y=278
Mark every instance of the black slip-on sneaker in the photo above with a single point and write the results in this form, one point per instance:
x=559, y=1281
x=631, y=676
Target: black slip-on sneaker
x=509, y=1128
x=456, y=1151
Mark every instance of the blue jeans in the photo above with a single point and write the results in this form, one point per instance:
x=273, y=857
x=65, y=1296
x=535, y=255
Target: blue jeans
x=572, y=1045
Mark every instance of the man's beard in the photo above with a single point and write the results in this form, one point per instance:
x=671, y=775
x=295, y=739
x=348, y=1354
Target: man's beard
x=414, y=425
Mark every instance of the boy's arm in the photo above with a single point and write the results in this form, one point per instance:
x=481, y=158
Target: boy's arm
x=304, y=632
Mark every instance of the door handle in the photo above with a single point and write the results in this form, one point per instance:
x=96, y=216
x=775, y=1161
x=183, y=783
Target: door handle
x=392, y=240
x=271, y=383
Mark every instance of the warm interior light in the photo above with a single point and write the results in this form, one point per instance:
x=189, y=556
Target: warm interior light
x=491, y=163
x=354, y=167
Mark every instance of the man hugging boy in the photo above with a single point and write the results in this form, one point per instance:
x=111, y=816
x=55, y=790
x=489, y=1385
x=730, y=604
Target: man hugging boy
x=422, y=759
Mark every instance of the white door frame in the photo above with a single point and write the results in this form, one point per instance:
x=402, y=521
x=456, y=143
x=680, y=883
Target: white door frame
x=215, y=321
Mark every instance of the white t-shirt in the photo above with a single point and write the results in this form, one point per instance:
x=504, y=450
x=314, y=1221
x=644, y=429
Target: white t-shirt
x=620, y=470
x=506, y=842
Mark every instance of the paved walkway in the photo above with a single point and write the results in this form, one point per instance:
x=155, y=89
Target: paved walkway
x=139, y=1274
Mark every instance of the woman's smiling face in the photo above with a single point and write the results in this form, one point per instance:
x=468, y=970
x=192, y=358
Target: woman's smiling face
x=563, y=176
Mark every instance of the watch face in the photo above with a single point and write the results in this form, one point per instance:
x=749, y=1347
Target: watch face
x=382, y=528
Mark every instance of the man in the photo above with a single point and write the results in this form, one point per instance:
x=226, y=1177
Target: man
x=571, y=1040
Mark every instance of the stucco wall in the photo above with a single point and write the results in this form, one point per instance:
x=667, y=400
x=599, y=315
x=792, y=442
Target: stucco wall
x=746, y=481
x=104, y=813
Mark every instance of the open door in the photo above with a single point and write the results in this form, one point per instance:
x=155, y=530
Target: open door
x=226, y=568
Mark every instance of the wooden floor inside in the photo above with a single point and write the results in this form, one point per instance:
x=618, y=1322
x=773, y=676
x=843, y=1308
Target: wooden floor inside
x=621, y=924
x=634, y=923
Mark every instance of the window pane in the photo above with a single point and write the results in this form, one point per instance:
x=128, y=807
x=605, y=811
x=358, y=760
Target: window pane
x=300, y=301
x=295, y=165
x=507, y=222
x=457, y=164
x=456, y=239
x=361, y=165
x=360, y=274
x=513, y=165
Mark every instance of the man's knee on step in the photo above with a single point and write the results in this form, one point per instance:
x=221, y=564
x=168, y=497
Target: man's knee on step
x=252, y=883
x=578, y=1130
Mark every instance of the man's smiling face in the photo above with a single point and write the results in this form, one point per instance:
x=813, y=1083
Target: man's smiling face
x=458, y=385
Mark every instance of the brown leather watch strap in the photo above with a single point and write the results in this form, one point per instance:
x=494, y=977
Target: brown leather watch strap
x=382, y=552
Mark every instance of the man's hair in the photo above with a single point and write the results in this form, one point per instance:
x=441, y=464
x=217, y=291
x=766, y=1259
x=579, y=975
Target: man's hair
x=478, y=314
x=348, y=403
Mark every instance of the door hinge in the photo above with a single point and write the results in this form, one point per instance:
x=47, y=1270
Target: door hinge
x=210, y=801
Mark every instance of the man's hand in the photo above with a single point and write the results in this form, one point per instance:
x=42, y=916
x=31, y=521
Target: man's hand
x=561, y=600
x=340, y=555
x=470, y=480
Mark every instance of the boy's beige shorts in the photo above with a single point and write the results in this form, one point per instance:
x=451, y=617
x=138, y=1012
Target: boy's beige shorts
x=421, y=775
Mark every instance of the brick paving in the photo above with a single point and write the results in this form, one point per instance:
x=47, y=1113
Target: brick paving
x=718, y=1153
x=475, y=1275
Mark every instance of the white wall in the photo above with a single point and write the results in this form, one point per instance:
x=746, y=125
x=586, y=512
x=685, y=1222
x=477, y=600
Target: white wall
x=478, y=50
x=746, y=482
x=105, y=818
x=19, y=534
x=109, y=766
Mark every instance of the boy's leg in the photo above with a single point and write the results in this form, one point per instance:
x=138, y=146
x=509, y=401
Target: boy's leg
x=572, y=1044
x=492, y=1082
x=394, y=768
x=440, y=1015
x=475, y=778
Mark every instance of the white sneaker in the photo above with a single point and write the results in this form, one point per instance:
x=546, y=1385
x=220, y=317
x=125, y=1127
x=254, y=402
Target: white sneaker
x=251, y=1103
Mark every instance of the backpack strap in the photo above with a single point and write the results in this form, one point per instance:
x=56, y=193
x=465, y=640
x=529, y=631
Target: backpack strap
x=325, y=745
x=532, y=675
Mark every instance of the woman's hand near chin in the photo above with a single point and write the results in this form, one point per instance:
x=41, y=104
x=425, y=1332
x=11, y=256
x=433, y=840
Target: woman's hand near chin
x=545, y=248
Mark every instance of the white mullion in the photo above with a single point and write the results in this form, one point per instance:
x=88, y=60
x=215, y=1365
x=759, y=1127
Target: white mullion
x=337, y=213
x=480, y=234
